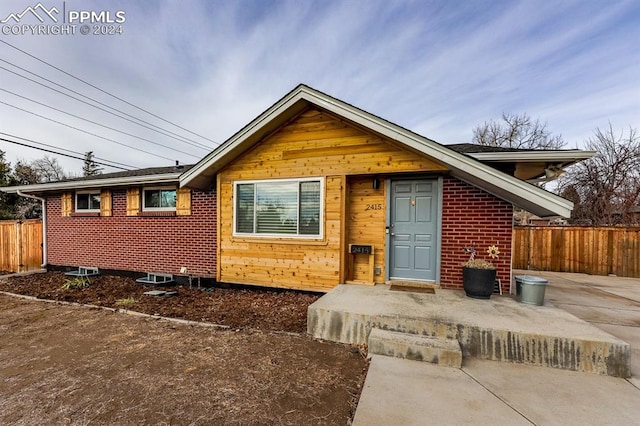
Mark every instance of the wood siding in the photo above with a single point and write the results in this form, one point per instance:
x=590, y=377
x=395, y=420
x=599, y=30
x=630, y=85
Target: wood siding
x=590, y=250
x=20, y=245
x=315, y=144
x=366, y=222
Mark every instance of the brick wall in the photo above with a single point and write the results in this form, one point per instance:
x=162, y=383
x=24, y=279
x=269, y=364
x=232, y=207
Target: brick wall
x=472, y=217
x=136, y=243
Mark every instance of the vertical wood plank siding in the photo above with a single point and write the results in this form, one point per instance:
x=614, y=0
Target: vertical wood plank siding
x=590, y=250
x=20, y=245
x=366, y=224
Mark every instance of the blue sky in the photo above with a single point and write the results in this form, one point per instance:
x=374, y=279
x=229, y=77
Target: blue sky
x=436, y=67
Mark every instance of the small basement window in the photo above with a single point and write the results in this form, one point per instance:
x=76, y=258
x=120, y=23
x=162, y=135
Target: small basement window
x=280, y=208
x=87, y=201
x=159, y=199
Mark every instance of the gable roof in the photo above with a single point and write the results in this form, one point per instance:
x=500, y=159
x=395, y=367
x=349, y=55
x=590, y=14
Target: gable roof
x=464, y=167
x=151, y=175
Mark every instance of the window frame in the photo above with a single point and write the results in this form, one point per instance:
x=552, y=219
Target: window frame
x=87, y=192
x=319, y=236
x=158, y=188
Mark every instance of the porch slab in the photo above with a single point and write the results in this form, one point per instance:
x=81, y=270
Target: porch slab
x=496, y=329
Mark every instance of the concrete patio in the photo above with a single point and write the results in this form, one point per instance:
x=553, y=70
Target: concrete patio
x=498, y=329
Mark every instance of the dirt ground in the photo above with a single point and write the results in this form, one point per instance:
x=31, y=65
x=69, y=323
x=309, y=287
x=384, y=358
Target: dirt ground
x=238, y=308
x=66, y=364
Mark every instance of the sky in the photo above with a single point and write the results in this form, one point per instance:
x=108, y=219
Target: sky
x=439, y=68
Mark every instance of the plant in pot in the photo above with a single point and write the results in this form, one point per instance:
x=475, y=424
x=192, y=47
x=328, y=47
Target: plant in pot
x=479, y=275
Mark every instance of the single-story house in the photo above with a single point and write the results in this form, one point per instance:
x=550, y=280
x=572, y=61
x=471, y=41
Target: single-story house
x=312, y=193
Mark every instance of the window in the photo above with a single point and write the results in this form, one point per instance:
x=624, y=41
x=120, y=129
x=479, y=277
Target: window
x=159, y=199
x=88, y=201
x=279, y=208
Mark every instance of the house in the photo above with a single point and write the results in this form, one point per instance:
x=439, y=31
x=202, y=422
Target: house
x=312, y=193
x=136, y=220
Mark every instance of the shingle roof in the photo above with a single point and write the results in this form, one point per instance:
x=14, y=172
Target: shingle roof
x=132, y=173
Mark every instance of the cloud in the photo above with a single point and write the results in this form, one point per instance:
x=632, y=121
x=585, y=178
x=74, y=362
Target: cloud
x=438, y=68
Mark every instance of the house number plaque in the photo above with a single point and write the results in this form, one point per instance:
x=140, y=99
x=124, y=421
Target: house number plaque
x=361, y=249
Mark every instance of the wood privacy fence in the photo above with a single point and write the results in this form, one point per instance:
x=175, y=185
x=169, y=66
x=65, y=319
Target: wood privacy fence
x=590, y=250
x=20, y=245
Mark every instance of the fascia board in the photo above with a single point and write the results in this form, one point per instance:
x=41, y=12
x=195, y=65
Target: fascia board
x=534, y=156
x=95, y=183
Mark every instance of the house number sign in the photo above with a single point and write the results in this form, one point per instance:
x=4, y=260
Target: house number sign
x=361, y=249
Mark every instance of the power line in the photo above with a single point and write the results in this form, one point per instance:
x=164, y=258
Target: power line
x=107, y=93
x=168, y=132
x=200, y=146
x=60, y=153
x=97, y=124
x=65, y=149
x=87, y=132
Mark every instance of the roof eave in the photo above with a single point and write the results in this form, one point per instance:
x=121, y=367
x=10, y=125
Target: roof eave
x=534, y=156
x=95, y=183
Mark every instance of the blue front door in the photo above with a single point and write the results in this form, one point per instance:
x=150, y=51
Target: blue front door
x=413, y=229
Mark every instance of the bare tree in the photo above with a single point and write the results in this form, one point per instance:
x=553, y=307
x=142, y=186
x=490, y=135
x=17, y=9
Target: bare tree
x=606, y=188
x=48, y=169
x=516, y=131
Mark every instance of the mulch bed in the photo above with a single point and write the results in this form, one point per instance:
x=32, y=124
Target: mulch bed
x=234, y=307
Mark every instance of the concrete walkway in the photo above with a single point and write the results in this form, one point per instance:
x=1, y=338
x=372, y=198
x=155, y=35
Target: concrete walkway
x=609, y=303
x=399, y=391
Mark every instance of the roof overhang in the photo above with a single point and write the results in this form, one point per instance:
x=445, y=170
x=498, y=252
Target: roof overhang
x=531, y=165
x=159, y=179
x=560, y=156
x=509, y=188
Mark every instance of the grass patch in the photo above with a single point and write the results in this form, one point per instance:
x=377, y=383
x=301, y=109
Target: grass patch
x=126, y=302
x=76, y=283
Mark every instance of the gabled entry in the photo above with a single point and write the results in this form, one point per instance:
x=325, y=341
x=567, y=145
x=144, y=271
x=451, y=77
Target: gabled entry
x=413, y=229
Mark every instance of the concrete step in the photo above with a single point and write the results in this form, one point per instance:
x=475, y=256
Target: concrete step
x=435, y=350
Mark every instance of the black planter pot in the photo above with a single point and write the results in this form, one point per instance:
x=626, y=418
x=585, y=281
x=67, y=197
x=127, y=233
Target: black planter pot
x=478, y=283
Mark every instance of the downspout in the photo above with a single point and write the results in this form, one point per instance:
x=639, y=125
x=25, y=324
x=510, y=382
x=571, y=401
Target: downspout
x=44, y=224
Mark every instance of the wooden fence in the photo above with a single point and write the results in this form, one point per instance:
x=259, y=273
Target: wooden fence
x=590, y=250
x=20, y=245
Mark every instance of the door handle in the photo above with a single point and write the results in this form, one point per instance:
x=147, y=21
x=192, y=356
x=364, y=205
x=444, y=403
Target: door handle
x=393, y=233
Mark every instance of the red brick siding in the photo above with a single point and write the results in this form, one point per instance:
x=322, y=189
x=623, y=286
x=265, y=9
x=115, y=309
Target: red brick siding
x=136, y=243
x=472, y=217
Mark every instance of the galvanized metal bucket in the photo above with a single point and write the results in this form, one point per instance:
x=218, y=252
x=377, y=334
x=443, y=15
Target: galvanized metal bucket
x=530, y=289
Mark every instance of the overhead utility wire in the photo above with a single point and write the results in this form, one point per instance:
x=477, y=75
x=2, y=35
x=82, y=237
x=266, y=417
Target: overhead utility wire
x=107, y=93
x=59, y=153
x=97, y=107
x=65, y=149
x=176, y=135
x=96, y=123
x=87, y=132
